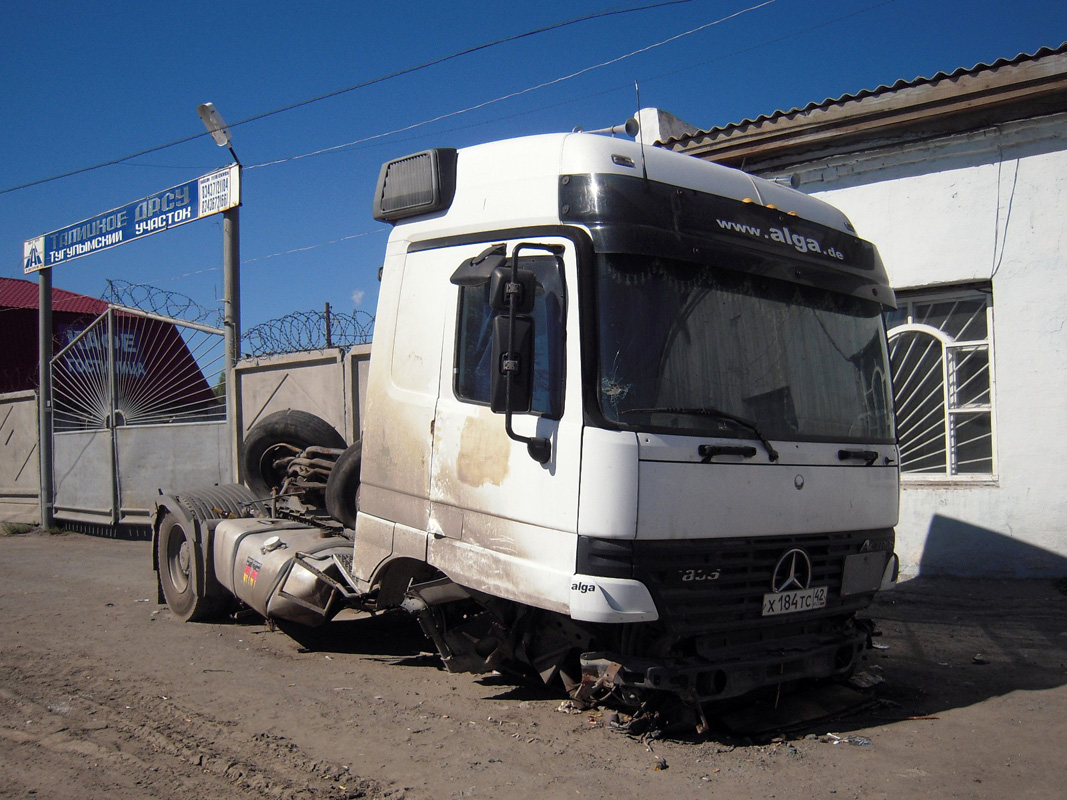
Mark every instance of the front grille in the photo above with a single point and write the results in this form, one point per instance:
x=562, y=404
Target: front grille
x=715, y=587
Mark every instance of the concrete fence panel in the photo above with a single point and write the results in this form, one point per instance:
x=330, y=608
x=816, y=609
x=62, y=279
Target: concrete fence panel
x=19, y=459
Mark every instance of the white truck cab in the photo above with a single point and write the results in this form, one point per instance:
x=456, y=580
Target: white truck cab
x=700, y=438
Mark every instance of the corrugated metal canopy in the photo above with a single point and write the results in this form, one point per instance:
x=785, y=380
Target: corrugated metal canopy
x=1026, y=85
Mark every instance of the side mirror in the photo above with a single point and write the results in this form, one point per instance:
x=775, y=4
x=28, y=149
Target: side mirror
x=505, y=282
x=514, y=358
x=512, y=292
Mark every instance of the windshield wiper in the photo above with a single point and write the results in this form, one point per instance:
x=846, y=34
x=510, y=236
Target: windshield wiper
x=708, y=411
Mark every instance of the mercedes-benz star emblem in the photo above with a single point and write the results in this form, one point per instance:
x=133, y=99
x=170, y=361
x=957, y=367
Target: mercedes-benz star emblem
x=793, y=571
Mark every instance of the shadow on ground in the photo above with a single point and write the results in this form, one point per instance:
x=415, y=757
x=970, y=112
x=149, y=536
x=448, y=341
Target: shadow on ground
x=391, y=635
x=943, y=643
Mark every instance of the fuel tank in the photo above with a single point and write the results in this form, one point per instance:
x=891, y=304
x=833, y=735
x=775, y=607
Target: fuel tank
x=257, y=560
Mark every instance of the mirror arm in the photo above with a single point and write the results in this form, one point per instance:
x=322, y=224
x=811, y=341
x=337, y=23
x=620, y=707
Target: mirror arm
x=539, y=448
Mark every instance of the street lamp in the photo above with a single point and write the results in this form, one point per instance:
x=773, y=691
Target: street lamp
x=231, y=277
x=216, y=126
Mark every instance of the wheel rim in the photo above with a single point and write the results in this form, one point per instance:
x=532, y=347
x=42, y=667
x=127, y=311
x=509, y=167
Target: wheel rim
x=179, y=559
x=272, y=475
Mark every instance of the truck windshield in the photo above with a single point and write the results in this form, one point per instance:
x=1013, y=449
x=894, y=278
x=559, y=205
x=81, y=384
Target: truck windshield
x=694, y=348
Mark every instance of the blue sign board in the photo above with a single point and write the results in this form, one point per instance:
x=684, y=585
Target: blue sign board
x=201, y=197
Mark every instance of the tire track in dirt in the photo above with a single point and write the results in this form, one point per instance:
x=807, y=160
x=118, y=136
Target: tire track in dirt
x=136, y=738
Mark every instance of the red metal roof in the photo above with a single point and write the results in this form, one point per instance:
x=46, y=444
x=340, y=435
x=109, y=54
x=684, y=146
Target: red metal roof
x=17, y=293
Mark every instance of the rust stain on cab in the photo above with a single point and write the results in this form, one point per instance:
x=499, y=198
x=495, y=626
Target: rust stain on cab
x=483, y=454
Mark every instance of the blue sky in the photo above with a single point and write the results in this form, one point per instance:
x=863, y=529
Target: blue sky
x=86, y=83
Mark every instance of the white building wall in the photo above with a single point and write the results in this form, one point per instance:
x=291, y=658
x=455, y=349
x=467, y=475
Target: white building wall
x=987, y=206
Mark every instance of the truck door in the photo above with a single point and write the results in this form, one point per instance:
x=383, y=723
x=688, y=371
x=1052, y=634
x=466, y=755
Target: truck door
x=500, y=521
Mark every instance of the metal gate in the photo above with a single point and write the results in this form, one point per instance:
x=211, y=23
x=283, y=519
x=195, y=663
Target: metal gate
x=138, y=406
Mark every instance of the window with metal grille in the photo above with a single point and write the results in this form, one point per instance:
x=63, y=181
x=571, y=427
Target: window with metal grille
x=940, y=349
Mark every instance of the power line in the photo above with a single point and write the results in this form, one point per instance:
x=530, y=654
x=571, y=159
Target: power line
x=517, y=93
x=457, y=113
x=101, y=165
x=793, y=34
x=354, y=87
x=305, y=248
x=468, y=51
x=302, y=249
x=648, y=79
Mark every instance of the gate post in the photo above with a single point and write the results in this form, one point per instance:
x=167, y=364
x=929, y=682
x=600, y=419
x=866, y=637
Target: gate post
x=44, y=396
x=113, y=416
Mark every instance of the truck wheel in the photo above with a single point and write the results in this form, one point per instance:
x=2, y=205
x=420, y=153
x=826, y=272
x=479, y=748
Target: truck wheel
x=342, y=487
x=273, y=437
x=176, y=551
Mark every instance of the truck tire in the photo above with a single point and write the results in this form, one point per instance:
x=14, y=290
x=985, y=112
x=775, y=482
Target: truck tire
x=176, y=551
x=267, y=441
x=342, y=488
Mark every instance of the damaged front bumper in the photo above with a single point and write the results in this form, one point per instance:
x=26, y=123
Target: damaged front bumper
x=732, y=674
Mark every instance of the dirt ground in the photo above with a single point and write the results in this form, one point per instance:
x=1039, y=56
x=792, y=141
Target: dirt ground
x=104, y=694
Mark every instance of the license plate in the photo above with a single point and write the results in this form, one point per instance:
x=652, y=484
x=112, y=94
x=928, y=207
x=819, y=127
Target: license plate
x=792, y=602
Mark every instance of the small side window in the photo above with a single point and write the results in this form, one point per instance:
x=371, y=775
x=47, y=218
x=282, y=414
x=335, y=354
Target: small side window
x=474, y=340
